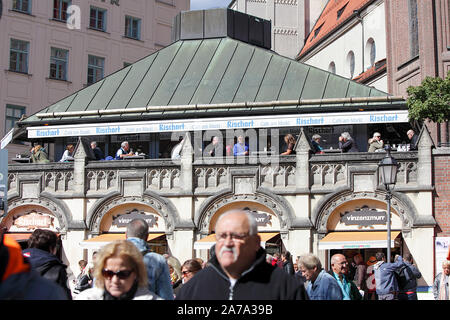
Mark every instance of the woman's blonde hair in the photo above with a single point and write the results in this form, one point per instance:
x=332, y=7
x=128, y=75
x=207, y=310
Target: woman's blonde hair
x=128, y=252
x=289, y=138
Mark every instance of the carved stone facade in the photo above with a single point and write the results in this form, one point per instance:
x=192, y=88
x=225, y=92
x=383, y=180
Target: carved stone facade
x=302, y=194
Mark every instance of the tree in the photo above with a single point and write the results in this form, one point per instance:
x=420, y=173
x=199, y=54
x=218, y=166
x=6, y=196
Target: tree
x=430, y=100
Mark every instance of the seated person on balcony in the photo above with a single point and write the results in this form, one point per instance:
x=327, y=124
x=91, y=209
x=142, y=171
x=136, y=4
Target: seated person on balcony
x=290, y=142
x=240, y=148
x=346, y=143
x=97, y=151
x=315, y=143
x=413, y=137
x=375, y=143
x=123, y=151
x=216, y=147
x=38, y=155
x=68, y=154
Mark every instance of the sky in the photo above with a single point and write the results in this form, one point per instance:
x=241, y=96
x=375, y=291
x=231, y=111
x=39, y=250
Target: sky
x=208, y=4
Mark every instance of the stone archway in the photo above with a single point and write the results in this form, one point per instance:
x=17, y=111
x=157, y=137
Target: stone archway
x=158, y=205
x=44, y=205
x=221, y=202
x=329, y=204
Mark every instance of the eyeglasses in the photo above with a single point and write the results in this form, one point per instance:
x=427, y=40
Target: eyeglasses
x=185, y=272
x=122, y=274
x=232, y=235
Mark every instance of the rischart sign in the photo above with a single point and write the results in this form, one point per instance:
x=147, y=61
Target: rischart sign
x=364, y=217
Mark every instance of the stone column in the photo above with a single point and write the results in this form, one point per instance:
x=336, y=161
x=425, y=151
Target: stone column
x=187, y=159
x=424, y=163
x=302, y=174
x=79, y=168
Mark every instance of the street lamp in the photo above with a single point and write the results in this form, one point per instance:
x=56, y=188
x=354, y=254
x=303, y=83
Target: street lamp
x=388, y=167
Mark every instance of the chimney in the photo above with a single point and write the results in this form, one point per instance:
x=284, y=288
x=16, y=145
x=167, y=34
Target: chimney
x=219, y=23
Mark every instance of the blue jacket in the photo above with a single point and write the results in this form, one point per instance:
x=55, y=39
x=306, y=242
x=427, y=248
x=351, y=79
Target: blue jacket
x=157, y=270
x=385, y=279
x=325, y=287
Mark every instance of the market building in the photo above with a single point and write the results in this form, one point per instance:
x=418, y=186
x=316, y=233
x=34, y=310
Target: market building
x=219, y=78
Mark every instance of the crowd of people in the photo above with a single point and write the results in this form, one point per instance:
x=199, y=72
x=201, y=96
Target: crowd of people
x=239, y=268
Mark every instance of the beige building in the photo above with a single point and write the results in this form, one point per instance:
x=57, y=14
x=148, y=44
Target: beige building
x=50, y=49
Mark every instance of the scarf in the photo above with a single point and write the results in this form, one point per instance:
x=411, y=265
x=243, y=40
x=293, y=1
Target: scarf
x=125, y=296
x=442, y=285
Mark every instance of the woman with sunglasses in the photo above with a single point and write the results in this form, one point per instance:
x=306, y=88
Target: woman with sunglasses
x=119, y=274
x=188, y=270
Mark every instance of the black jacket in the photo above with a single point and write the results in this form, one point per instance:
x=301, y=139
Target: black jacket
x=348, y=146
x=261, y=281
x=288, y=266
x=48, y=266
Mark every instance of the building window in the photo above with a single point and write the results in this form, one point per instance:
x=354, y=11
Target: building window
x=341, y=11
x=13, y=114
x=351, y=63
x=96, y=67
x=18, y=56
x=22, y=5
x=332, y=67
x=98, y=19
x=316, y=32
x=413, y=29
x=370, y=52
x=132, y=27
x=58, y=63
x=60, y=9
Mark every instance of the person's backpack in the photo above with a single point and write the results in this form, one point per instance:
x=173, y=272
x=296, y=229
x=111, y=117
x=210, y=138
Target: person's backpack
x=403, y=275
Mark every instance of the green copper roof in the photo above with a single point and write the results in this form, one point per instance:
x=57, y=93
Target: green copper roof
x=207, y=71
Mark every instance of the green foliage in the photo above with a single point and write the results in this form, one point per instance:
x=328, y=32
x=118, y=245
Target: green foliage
x=430, y=100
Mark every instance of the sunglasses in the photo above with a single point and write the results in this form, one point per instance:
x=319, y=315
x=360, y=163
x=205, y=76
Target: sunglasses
x=122, y=274
x=186, y=272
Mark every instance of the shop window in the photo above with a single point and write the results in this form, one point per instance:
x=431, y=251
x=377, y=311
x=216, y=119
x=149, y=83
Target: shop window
x=22, y=6
x=96, y=66
x=132, y=27
x=12, y=115
x=58, y=64
x=60, y=9
x=97, y=19
x=18, y=56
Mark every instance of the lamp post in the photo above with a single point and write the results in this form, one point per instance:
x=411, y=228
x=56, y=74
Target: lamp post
x=388, y=167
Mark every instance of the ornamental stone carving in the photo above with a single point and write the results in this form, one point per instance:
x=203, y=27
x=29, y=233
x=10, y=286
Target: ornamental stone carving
x=320, y=220
x=101, y=179
x=95, y=218
x=278, y=176
x=57, y=181
x=163, y=179
x=207, y=213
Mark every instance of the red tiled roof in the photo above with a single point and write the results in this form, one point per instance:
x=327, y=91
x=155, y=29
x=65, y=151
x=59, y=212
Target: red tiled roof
x=329, y=20
x=376, y=69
